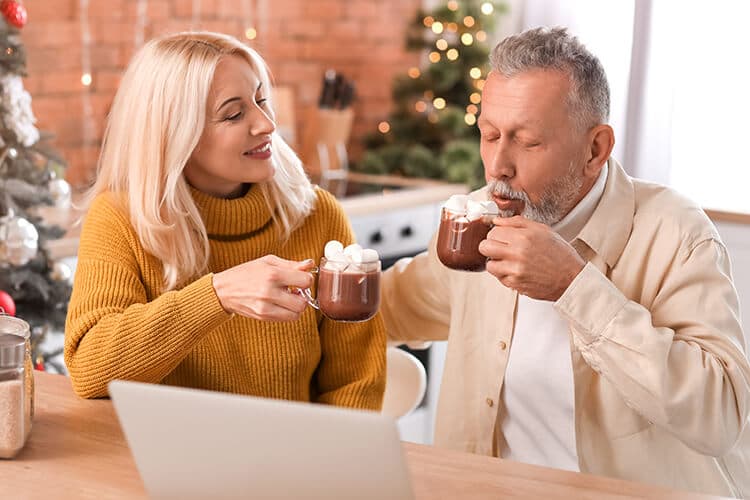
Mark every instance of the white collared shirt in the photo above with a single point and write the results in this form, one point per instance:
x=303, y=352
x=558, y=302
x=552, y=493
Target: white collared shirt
x=538, y=422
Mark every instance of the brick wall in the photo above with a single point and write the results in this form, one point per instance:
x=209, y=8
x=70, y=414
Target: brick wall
x=364, y=39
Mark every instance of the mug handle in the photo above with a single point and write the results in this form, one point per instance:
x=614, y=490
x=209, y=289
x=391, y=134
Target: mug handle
x=306, y=293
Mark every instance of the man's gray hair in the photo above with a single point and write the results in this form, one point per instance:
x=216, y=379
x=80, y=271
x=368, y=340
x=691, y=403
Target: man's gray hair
x=545, y=48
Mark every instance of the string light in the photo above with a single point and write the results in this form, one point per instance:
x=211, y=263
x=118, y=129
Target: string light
x=452, y=27
x=468, y=21
x=479, y=84
x=251, y=33
x=453, y=5
x=414, y=72
x=432, y=118
x=428, y=94
x=452, y=54
x=487, y=8
x=9, y=51
x=475, y=73
x=438, y=103
x=437, y=27
x=472, y=108
x=384, y=127
x=196, y=15
x=475, y=97
x=427, y=21
x=88, y=132
x=434, y=57
x=470, y=119
x=441, y=44
x=481, y=36
x=467, y=39
x=420, y=106
x=141, y=19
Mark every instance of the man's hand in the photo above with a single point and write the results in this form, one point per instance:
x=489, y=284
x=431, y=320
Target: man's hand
x=530, y=258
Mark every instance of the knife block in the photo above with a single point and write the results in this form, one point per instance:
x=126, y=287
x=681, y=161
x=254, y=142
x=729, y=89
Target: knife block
x=324, y=138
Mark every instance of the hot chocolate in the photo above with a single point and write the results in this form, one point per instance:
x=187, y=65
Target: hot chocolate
x=349, y=295
x=348, y=283
x=463, y=225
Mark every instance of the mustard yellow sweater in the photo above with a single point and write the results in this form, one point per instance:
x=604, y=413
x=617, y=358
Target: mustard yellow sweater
x=120, y=326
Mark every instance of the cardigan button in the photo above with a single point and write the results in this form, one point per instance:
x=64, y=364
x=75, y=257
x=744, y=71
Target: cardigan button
x=502, y=345
x=490, y=402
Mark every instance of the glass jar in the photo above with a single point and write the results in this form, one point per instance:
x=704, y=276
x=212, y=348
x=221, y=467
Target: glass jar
x=18, y=327
x=12, y=395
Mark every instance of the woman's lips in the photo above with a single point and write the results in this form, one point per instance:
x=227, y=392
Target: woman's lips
x=262, y=152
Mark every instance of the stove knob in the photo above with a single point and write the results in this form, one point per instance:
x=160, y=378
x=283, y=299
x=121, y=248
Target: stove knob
x=376, y=238
x=407, y=232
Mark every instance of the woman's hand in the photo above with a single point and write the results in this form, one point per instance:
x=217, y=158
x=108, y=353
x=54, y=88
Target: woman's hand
x=259, y=289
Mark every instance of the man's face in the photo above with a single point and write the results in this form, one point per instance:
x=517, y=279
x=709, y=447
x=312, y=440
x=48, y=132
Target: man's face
x=533, y=154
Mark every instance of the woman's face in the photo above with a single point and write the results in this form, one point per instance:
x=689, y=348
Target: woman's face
x=235, y=146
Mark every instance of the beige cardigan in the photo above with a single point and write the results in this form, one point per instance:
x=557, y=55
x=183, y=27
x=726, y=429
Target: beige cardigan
x=661, y=374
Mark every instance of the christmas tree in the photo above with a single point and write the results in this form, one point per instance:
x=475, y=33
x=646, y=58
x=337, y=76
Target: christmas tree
x=31, y=286
x=432, y=131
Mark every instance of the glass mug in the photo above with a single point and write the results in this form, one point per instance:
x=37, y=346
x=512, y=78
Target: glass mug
x=459, y=238
x=346, y=292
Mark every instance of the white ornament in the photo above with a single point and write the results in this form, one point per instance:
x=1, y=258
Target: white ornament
x=13, y=153
x=19, y=240
x=61, y=272
x=17, y=114
x=59, y=189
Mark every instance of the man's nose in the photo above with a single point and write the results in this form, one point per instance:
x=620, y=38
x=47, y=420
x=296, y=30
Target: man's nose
x=501, y=164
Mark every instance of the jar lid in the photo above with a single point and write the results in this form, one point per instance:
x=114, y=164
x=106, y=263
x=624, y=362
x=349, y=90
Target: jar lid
x=15, y=326
x=12, y=351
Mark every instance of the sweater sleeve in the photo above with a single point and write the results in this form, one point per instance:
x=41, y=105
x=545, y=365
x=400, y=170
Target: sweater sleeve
x=112, y=331
x=352, y=367
x=682, y=364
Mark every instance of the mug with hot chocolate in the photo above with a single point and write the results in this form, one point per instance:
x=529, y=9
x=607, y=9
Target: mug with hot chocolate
x=464, y=223
x=348, y=283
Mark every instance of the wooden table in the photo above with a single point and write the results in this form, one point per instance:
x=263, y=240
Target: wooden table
x=77, y=450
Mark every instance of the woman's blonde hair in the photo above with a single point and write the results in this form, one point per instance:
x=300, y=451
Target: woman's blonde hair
x=156, y=120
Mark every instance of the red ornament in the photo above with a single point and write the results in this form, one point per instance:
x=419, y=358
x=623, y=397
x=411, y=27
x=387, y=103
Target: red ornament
x=7, y=304
x=14, y=13
x=39, y=365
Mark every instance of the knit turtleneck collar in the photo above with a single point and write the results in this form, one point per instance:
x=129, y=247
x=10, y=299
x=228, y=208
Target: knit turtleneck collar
x=235, y=217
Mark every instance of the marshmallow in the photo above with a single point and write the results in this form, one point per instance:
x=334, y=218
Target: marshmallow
x=457, y=203
x=370, y=255
x=490, y=208
x=474, y=210
x=353, y=252
x=334, y=250
x=338, y=266
x=351, y=259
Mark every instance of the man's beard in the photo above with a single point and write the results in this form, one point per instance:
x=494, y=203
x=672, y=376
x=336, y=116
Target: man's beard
x=556, y=201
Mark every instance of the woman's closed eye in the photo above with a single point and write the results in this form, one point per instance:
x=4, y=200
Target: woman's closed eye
x=234, y=117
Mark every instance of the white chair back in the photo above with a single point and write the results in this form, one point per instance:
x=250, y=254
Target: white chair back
x=405, y=385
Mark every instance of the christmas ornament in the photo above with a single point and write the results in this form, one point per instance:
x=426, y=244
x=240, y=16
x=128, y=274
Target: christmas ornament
x=7, y=305
x=39, y=364
x=61, y=272
x=14, y=13
x=19, y=240
x=60, y=192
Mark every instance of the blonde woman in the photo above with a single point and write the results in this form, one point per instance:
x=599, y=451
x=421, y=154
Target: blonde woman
x=200, y=220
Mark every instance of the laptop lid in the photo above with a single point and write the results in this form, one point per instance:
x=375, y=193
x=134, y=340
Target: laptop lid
x=190, y=443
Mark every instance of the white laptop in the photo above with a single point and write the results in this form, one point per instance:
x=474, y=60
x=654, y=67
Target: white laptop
x=200, y=444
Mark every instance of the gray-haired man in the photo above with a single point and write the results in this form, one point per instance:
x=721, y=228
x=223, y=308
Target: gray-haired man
x=604, y=336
